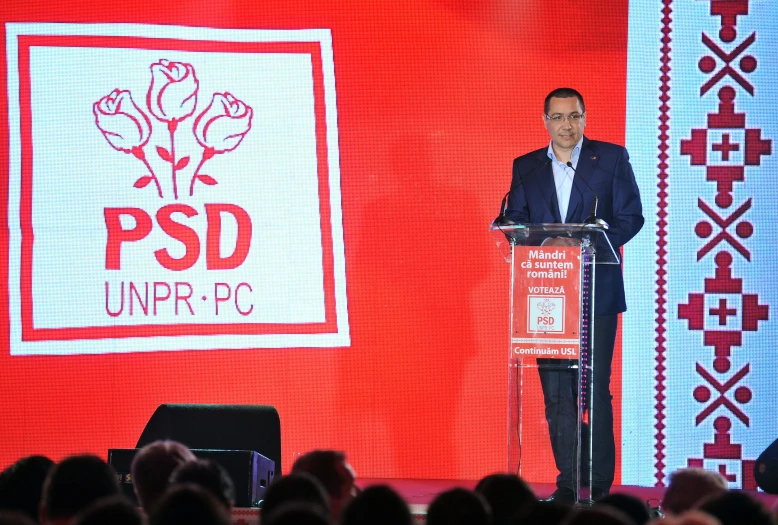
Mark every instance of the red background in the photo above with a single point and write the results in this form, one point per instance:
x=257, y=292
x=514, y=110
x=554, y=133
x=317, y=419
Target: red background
x=435, y=99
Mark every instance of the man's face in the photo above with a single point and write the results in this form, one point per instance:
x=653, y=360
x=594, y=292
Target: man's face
x=566, y=132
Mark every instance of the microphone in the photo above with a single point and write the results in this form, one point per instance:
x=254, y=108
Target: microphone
x=501, y=219
x=592, y=219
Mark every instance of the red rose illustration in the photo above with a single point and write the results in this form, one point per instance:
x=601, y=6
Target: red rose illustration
x=172, y=97
x=223, y=124
x=122, y=122
x=219, y=129
x=126, y=128
x=172, y=94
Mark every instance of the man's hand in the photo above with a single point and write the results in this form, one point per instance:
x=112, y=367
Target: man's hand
x=562, y=241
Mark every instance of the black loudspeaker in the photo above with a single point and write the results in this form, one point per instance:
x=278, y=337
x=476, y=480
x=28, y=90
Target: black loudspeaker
x=250, y=472
x=766, y=469
x=218, y=427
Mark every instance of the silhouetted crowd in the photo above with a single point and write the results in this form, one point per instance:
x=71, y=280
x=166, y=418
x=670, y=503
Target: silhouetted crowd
x=173, y=487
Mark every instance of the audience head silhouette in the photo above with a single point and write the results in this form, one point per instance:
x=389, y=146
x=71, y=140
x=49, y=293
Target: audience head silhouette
x=73, y=484
x=333, y=471
x=21, y=485
x=189, y=504
x=151, y=469
x=294, y=488
x=459, y=507
x=507, y=496
x=736, y=508
x=208, y=475
x=377, y=505
x=690, y=486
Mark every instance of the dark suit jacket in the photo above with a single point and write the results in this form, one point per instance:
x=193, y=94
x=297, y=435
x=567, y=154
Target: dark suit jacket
x=607, y=169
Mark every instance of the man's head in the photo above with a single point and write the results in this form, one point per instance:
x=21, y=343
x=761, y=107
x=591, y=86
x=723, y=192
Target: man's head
x=188, y=504
x=333, y=472
x=294, y=488
x=459, y=507
x=564, y=116
x=736, y=508
x=73, y=484
x=377, y=505
x=690, y=486
x=21, y=485
x=507, y=495
x=151, y=469
x=208, y=475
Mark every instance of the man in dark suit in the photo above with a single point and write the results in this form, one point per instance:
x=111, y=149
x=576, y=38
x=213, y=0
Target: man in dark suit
x=548, y=187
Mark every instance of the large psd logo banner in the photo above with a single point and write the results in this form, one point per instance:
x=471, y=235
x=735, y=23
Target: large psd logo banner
x=173, y=188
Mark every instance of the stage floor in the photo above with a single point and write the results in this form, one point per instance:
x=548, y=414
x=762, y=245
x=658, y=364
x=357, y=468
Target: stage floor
x=419, y=493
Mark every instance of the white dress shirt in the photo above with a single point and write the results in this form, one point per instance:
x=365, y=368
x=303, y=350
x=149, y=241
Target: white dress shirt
x=563, y=177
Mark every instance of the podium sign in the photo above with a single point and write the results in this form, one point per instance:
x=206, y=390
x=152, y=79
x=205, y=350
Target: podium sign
x=546, y=299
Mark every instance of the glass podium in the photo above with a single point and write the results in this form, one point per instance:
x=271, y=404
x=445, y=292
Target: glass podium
x=551, y=322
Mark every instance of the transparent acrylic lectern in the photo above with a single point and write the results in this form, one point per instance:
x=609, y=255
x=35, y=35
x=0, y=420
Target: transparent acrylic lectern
x=551, y=319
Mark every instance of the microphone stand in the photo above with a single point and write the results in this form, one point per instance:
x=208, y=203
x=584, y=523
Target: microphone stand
x=593, y=218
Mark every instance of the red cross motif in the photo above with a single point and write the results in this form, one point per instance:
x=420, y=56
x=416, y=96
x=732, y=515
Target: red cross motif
x=743, y=229
x=742, y=394
x=726, y=118
x=725, y=146
x=754, y=147
x=707, y=64
x=722, y=312
x=728, y=10
x=751, y=312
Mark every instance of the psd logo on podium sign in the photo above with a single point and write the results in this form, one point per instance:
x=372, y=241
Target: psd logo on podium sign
x=546, y=314
x=546, y=302
x=173, y=188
